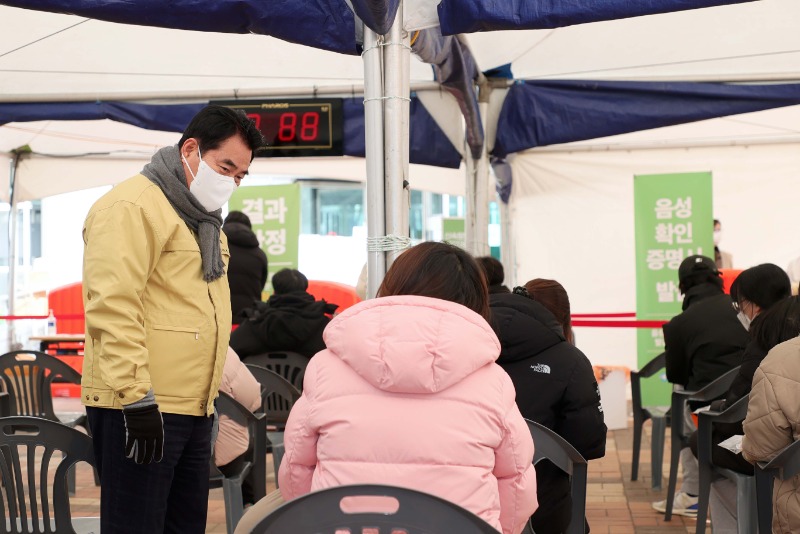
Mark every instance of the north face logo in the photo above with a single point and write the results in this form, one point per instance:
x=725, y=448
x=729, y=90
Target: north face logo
x=541, y=368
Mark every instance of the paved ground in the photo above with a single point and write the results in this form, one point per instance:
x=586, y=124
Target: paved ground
x=615, y=505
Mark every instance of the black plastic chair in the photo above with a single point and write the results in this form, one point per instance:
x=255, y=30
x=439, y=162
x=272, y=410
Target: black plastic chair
x=255, y=466
x=679, y=440
x=550, y=446
x=745, y=484
x=27, y=445
x=403, y=510
x=5, y=404
x=290, y=365
x=277, y=398
x=784, y=466
x=657, y=415
x=27, y=376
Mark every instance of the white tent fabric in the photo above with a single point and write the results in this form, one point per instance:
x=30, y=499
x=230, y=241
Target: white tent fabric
x=571, y=211
x=573, y=220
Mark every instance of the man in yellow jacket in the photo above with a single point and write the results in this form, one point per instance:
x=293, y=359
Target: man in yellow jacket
x=158, y=320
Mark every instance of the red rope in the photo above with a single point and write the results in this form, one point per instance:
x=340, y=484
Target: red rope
x=620, y=324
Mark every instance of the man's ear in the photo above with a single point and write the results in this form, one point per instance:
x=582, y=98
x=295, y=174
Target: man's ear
x=189, y=147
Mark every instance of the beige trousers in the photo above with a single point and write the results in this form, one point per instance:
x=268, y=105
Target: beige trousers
x=259, y=511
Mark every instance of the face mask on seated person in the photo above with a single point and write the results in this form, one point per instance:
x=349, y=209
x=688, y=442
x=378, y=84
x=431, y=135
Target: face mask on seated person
x=209, y=187
x=744, y=319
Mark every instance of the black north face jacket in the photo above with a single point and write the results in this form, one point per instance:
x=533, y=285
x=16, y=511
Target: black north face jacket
x=555, y=387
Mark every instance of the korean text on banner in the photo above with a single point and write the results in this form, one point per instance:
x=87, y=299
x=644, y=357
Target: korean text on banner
x=453, y=231
x=274, y=212
x=674, y=220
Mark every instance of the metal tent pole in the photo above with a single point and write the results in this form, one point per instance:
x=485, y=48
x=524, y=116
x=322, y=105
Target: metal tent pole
x=17, y=155
x=373, y=143
x=397, y=50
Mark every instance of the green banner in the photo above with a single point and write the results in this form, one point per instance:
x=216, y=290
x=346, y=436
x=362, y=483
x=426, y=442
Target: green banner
x=274, y=212
x=674, y=220
x=453, y=231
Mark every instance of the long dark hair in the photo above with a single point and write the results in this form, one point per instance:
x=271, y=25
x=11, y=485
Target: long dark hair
x=553, y=296
x=438, y=270
x=778, y=324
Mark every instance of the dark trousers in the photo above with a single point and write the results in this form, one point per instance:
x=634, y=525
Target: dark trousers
x=169, y=496
x=232, y=469
x=721, y=456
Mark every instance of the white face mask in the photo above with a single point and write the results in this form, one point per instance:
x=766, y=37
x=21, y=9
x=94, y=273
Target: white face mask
x=717, y=237
x=744, y=319
x=209, y=187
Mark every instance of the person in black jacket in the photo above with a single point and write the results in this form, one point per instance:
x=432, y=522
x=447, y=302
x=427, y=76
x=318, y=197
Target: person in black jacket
x=290, y=320
x=754, y=291
x=247, y=268
x=555, y=386
x=702, y=343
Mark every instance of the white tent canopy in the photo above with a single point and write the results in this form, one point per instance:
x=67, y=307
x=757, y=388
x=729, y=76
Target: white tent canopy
x=560, y=192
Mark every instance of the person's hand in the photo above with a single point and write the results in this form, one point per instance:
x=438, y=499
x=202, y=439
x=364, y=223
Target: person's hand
x=144, y=434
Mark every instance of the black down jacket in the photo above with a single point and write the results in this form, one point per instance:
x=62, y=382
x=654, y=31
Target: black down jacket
x=247, y=269
x=705, y=340
x=292, y=322
x=555, y=387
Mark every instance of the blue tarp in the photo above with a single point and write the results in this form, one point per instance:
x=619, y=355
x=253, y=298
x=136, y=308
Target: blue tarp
x=325, y=24
x=469, y=16
x=330, y=24
x=428, y=143
x=550, y=112
x=378, y=15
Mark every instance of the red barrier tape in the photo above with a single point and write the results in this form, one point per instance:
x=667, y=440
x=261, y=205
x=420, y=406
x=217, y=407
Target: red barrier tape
x=620, y=324
x=602, y=315
x=58, y=317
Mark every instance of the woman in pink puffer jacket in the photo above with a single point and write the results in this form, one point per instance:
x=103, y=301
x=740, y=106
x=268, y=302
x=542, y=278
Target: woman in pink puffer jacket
x=407, y=394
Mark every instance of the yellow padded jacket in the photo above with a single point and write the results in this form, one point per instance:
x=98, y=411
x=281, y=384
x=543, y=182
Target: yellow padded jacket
x=151, y=319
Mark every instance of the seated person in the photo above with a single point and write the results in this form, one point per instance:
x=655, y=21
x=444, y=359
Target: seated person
x=702, y=343
x=495, y=274
x=555, y=385
x=247, y=267
x=773, y=416
x=290, y=320
x=408, y=394
x=233, y=439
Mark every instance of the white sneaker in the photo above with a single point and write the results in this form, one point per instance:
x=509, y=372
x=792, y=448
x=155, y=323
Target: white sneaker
x=684, y=504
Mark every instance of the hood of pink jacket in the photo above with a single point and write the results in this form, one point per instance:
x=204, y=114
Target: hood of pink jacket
x=412, y=344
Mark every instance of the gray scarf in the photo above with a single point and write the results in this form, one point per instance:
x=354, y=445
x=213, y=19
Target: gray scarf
x=166, y=171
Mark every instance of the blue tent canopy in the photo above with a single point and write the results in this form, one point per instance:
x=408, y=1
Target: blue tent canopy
x=468, y=16
x=428, y=143
x=330, y=24
x=550, y=112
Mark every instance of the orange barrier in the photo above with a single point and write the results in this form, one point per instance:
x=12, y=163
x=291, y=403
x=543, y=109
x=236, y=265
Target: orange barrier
x=334, y=293
x=68, y=301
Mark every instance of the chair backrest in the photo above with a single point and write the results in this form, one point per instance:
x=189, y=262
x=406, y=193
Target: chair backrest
x=371, y=508
x=549, y=445
x=649, y=369
x=27, y=376
x=290, y=365
x=783, y=467
x=277, y=395
x=27, y=445
x=255, y=424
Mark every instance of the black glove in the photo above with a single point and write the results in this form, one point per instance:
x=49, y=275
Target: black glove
x=144, y=434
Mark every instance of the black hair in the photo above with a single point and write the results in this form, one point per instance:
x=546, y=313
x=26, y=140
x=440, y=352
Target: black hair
x=763, y=285
x=215, y=124
x=288, y=280
x=778, y=324
x=703, y=276
x=493, y=270
x=238, y=217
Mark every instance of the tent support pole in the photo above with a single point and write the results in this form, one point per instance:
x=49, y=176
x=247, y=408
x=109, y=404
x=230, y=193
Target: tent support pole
x=373, y=143
x=397, y=51
x=477, y=187
x=12, y=240
x=507, y=251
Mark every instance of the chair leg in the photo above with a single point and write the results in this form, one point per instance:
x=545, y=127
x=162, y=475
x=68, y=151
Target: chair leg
x=703, y=497
x=657, y=440
x=234, y=507
x=746, y=517
x=764, y=482
x=71, y=479
x=637, y=446
x=674, y=460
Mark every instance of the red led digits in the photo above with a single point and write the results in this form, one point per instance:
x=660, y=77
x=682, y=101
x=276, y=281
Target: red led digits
x=309, y=126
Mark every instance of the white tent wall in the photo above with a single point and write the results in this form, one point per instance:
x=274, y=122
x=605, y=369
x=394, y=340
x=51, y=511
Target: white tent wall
x=574, y=221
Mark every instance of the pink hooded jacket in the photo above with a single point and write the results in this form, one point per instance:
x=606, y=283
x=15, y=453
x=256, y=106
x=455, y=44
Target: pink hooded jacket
x=407, y=393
